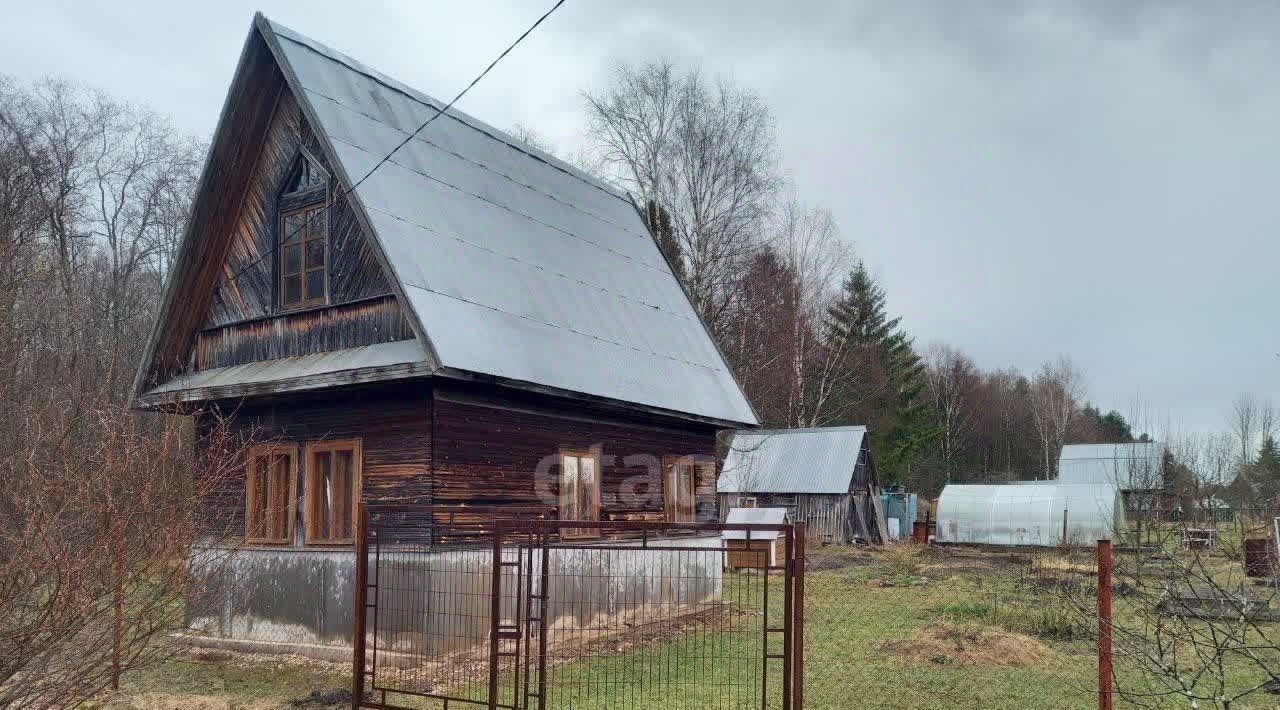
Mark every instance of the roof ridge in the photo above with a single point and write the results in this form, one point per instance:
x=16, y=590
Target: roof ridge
x=805, y=430
x=456, y=114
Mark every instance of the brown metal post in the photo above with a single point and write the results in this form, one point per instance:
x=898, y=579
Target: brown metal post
x=495, y=614
x=797, y=623
x=1064, y=527
x=361, y=601
x=1104, y=625
x=788, y=612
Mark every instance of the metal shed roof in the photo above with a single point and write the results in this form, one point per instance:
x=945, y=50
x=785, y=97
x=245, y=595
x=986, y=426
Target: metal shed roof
x=754, y=516
x=817, y=460
x=517, y=265
x=1134, y=466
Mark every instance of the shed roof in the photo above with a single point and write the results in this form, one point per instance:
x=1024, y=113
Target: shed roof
x=510, y=263
x=819, y=460
x=1131, y=466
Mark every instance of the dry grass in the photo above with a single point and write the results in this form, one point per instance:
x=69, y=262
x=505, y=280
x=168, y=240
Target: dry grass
x=904, y=559
x=969, y=645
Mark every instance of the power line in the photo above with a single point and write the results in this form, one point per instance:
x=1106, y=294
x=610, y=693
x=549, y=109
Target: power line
x=342, y=193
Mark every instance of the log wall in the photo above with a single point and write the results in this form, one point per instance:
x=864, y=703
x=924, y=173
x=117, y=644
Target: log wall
x=505, y=451
x=394, y=425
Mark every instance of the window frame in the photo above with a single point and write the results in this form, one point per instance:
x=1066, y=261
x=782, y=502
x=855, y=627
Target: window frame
x=671, y=467
x=592, y=499
x=270, y=451
x=297, y=207
x=310, y=535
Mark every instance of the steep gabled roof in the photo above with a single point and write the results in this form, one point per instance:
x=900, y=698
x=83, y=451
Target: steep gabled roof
x=511, y=265
x=819, y=460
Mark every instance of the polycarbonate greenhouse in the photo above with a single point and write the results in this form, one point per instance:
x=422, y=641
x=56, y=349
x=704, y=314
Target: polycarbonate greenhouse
x=1029, y=513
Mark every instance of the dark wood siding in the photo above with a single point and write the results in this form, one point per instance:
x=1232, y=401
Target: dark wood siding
x=394, y=425
x=376, y=320
x=247, y=288
x=493, y=450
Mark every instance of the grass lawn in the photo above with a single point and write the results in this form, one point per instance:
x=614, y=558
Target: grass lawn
x=850, y=615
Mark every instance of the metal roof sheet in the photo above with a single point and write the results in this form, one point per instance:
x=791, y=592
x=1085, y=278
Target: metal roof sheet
x=516, y=264
x=305, y=367
x=754, y=516
x=817, y=460
x=1134, y=466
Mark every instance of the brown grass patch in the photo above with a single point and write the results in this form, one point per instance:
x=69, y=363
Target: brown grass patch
x=944, y=643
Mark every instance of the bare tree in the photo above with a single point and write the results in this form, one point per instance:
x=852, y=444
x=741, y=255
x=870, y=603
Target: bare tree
x=704, y=152
x=1054, y=397
x=97, y=516
x=1245, y=423
x=951, y=380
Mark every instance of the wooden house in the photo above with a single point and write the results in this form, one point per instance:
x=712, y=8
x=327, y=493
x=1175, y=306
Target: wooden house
x=469, y=322
x=825, y=477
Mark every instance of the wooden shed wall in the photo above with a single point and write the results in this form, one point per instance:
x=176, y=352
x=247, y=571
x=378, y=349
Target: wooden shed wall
x=489, y=449
x=828, y=518
x=394, y=425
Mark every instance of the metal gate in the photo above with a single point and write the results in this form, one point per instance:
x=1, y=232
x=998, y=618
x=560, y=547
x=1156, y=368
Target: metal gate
x=538, y=614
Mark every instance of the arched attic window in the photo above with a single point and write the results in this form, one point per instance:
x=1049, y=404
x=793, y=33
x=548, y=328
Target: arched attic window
x=303, y=235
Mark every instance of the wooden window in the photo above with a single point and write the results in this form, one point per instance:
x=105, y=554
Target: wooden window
x=331, y=491
x=270, y=494
x=579, y=490
x=680, y=489
x=303, y=257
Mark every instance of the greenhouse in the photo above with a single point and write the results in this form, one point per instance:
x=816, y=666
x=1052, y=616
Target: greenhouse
x=1029, y=513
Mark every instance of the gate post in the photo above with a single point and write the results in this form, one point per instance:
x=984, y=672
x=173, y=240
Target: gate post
x=361, y=601
x=1104, y=625
x=797, y=623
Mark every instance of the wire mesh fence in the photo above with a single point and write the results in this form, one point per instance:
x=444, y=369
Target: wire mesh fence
x=578, y=615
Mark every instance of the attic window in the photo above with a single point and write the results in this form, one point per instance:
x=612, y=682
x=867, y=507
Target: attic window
x=303, y=235
x=305, y=176
x=302, y=257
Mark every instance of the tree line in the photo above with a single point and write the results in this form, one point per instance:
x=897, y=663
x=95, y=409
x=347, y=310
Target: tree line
x=804, y=323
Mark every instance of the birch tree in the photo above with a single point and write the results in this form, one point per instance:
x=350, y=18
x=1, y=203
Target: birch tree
x=703, y=151
x=1055, y=397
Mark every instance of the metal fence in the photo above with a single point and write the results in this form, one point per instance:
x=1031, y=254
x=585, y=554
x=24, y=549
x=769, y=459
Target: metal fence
x=578, y=615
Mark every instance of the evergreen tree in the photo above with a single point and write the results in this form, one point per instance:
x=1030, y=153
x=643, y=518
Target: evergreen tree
x=881, y=376
x=1266, y=470
x=659, y=221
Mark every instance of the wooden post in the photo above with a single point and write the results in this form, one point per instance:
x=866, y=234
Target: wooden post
x=797, y=624
x=1104, y=625
x=361, y=602
x=1064, y=527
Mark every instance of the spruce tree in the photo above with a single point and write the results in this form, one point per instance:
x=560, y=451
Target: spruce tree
x=882, y=375
x=659, y=221
x=1266, y=470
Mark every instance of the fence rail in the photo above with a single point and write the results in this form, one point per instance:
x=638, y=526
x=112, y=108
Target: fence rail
x=536, y=613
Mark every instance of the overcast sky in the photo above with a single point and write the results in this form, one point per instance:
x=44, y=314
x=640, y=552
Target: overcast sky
x=1082, y=178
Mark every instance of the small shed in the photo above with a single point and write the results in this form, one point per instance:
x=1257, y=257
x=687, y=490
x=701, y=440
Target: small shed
x=1031, y=515
x=759, y=549
x=825, y=477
